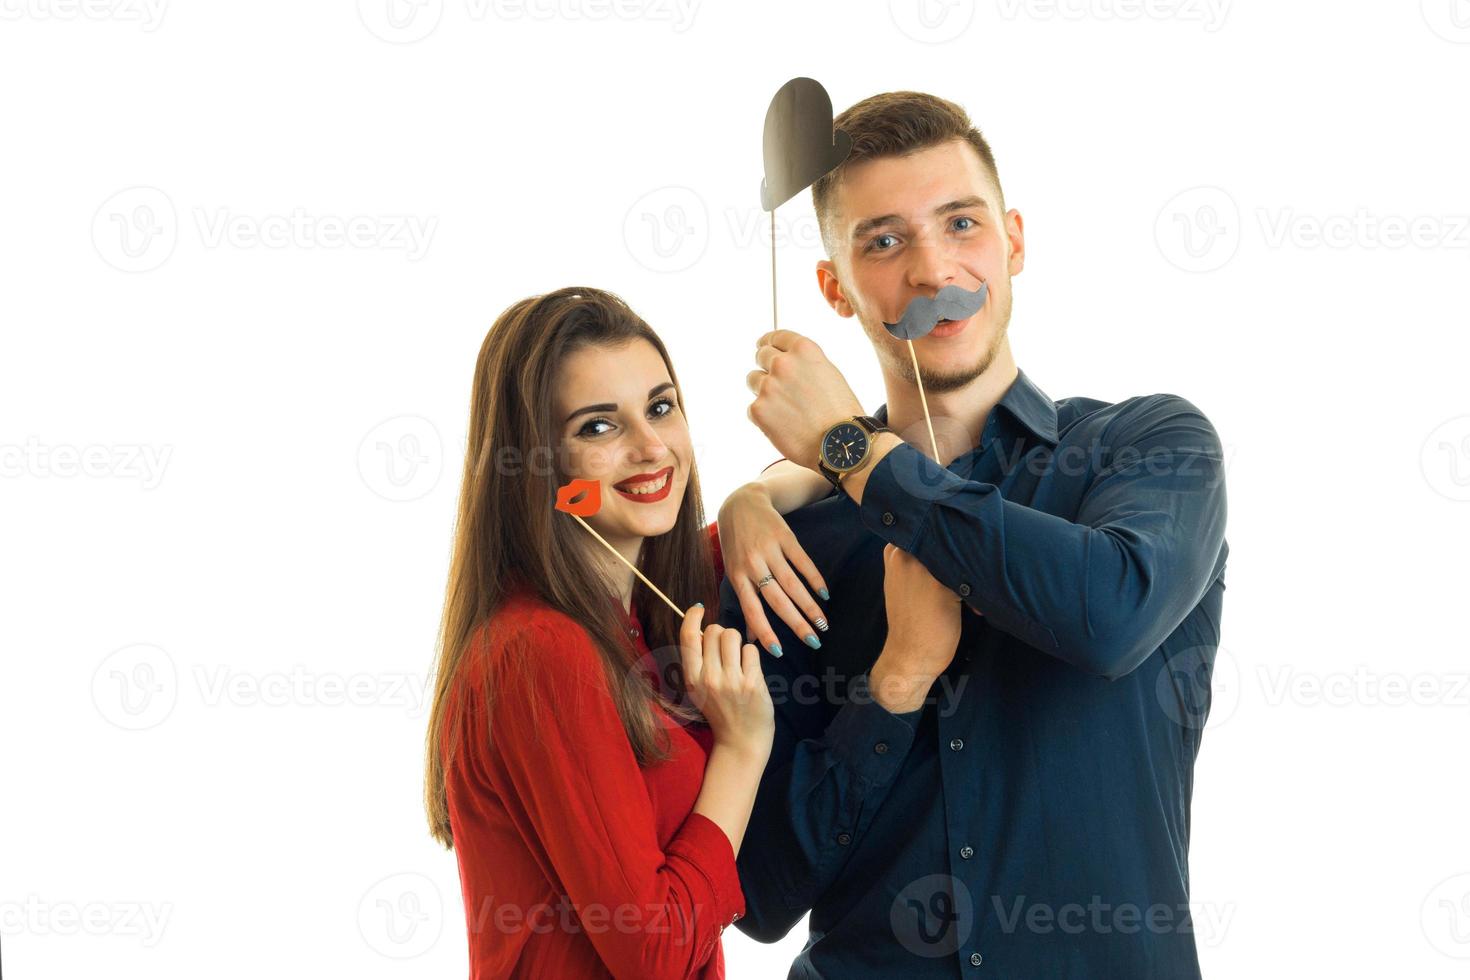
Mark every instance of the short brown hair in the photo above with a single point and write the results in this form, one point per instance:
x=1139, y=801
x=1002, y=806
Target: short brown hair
x=895, y=124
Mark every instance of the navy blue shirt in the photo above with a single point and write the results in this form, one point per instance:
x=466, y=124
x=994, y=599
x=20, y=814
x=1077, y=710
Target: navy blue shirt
x=1032, y=819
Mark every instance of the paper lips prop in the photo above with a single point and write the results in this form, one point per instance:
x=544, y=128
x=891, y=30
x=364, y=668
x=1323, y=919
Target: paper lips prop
x=800, y=145
x=923, y=314
x=589, y=492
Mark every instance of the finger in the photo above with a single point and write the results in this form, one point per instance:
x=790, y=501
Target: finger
x=755, y=616
x=789, y=614
x=764, y=356
x=713, y=673
x=730, y=656
x=754, y=380
x=801, y=599
x=793, y=552
x=750, y=664
x=780, y=339
x=689, y=645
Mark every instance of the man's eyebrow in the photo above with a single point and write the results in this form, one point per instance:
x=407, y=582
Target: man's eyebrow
x=610, y=407
x=869, y=225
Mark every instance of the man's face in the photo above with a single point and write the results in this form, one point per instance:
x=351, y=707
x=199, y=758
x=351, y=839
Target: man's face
x=908, y=226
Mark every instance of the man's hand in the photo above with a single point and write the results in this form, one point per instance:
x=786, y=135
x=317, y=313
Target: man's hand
x=799, y=395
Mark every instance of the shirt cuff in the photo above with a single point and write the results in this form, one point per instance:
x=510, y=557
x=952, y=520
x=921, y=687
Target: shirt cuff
x=868, y=738
x=900, y=492
x=703, y=844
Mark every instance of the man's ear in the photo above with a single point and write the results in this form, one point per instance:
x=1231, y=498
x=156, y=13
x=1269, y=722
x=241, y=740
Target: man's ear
x=831, y=288
x=1015, y=234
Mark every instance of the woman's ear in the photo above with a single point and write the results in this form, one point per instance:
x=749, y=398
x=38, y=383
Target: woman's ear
x=831, y=288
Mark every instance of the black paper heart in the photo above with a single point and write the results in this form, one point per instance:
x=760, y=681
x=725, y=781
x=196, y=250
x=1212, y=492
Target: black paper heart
x=800, y=145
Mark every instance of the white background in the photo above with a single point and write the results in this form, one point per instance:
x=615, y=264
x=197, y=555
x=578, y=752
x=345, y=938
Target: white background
x=231, y=442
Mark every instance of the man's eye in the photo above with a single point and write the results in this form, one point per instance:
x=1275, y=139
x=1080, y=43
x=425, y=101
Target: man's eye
x=968, y=223
x=590, y=428
x=660, y=407
x=875, y=246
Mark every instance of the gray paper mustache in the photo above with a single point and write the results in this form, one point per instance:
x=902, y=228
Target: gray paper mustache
x=923, y=313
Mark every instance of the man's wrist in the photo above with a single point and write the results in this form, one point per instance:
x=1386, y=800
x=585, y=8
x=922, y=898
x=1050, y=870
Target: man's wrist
x=898, y=693
x=856, y=481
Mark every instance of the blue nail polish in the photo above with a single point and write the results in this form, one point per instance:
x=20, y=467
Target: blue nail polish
x=823, y=593
x=775, y=649
x=812, y=641
x=700, y=605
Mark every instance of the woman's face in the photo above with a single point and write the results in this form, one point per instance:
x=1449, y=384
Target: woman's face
x=621, y=424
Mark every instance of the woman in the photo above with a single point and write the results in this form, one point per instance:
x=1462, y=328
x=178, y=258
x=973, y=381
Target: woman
x=596, y=798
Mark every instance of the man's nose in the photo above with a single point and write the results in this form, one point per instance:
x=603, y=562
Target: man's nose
x=932, y=264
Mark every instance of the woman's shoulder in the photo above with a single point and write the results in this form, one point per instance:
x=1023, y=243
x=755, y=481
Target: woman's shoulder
x=534, y=633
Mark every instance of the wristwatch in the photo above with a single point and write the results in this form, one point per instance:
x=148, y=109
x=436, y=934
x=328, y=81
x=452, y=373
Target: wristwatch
x=845, y=446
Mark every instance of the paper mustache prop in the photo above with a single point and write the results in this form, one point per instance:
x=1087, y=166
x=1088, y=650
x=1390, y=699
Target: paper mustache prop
x=583, y=498
x=920, y=317
x=799, y=147
x=923, y=313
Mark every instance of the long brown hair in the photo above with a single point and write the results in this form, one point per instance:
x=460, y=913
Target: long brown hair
x=508, y=535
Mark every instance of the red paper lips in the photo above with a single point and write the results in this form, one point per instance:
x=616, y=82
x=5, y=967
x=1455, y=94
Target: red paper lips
x=589, y=492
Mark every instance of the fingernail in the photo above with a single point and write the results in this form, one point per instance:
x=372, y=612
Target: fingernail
x=820, y=623
x=700, y=605
x=775, y=649
x=812, y=641
x=823, y=593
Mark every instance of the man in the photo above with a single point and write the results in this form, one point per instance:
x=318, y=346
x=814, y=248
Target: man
x=1023, y=810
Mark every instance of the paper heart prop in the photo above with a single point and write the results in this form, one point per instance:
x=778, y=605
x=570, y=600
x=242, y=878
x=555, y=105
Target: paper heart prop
x=800, y=145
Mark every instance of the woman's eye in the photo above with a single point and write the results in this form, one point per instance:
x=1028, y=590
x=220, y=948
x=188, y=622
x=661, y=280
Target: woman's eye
x=591, y=427
x=660, y=407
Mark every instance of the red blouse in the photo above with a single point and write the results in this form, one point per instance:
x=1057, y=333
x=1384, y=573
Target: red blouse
x=574, y=861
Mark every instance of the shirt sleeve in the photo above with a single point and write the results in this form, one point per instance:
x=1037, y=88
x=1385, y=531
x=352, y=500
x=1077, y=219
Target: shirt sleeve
x=1100, y=592
x=561, y=753
x=823, y=785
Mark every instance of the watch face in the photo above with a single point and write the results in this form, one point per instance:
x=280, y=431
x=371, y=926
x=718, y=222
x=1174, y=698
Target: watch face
x=845, y=446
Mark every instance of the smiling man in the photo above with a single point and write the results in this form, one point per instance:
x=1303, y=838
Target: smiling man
x=1023, y=811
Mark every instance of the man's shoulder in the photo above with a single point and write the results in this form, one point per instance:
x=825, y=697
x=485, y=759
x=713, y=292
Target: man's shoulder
x=1137, y=418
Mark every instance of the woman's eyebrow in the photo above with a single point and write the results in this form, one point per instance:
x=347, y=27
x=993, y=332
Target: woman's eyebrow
x=610, y=407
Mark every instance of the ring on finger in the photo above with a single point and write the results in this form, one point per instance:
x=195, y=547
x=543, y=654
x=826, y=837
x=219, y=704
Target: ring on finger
x=765, y=581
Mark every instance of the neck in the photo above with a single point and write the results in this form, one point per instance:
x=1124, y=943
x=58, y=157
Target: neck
x=618, y=575
x=959, y=416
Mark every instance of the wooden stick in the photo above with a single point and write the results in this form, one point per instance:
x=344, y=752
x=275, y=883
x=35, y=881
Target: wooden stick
x=619, y=555
x=925, y=402
x=773, y=268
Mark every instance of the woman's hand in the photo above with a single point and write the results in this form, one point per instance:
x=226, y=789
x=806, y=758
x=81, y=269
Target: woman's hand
x=725, y=682
x=755, y=542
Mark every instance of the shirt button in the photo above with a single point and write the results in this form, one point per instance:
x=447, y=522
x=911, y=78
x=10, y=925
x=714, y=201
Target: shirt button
x=967, y=852
x=881, y=748
x=976, y=959
x=964, y=590
x=888, y=518
x=956, y=744
x=844, y=839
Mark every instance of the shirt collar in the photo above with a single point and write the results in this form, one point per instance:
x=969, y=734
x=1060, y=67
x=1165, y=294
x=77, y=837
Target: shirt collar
x=1024, y=402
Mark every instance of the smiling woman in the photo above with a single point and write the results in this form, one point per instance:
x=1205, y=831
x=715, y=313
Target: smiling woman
x=595, y=797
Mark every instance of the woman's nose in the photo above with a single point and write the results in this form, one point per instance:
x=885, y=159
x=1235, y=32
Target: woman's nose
x=644, y=443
